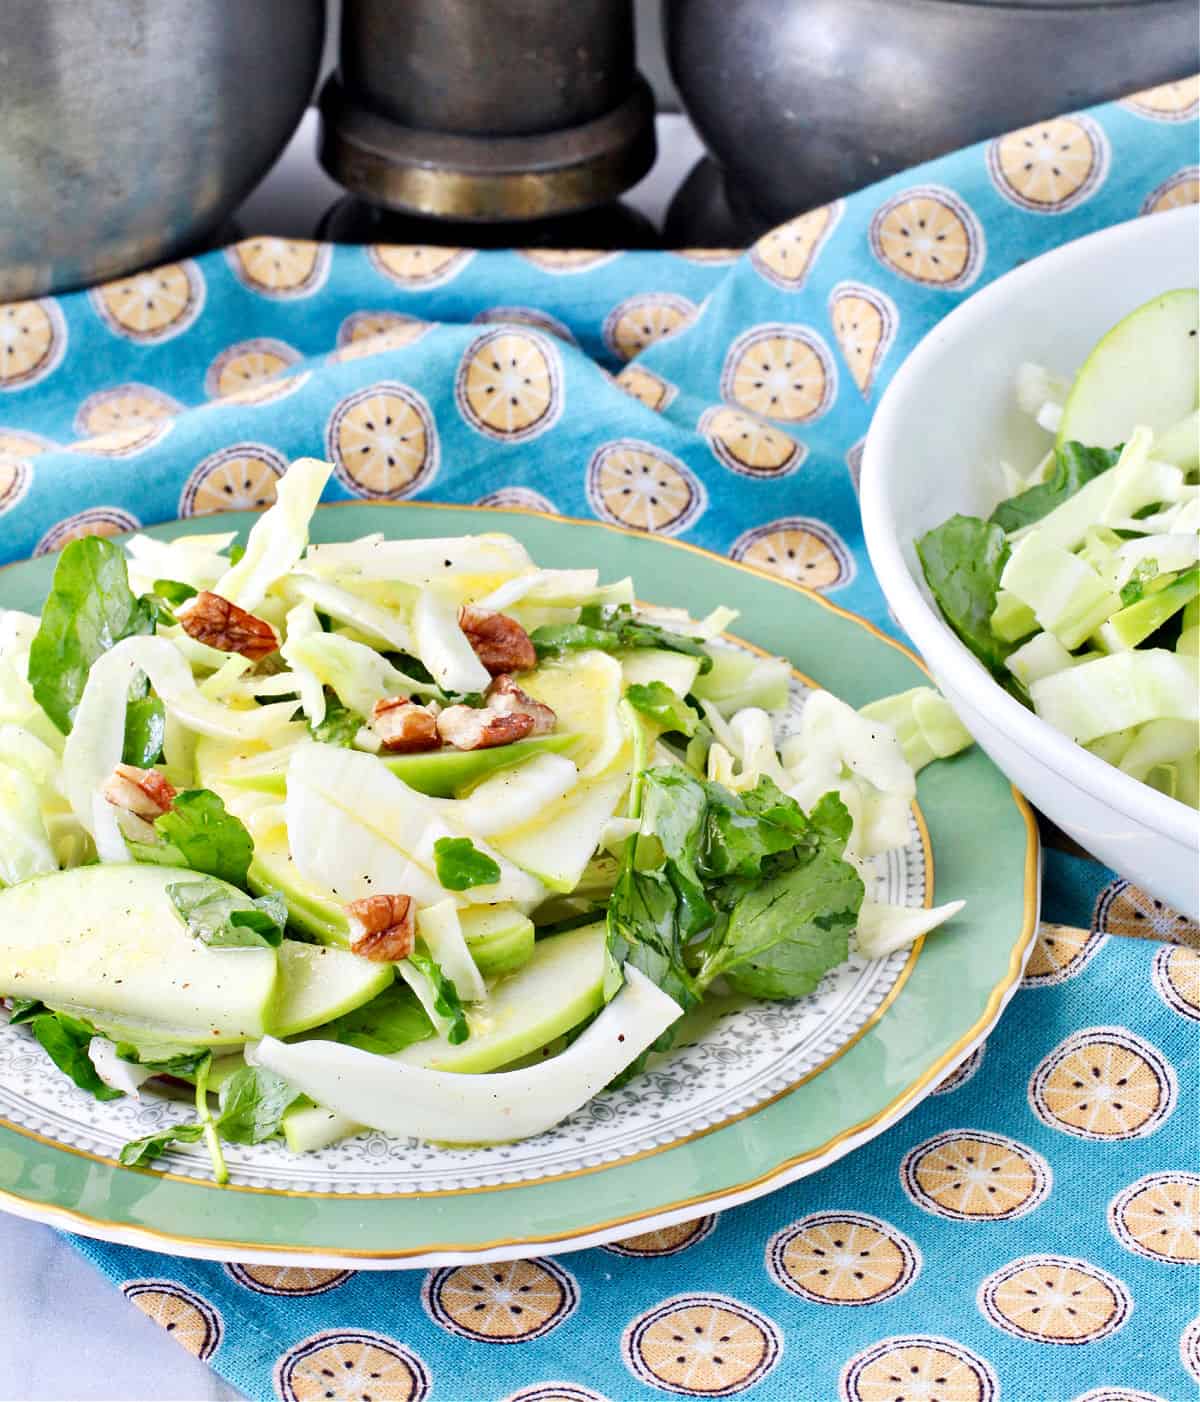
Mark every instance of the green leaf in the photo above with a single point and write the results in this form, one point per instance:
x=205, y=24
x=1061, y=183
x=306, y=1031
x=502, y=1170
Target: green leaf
x=251, y=1104
x=145, y=727
x=664, y=706
x=963, y=559
x=611, y=628
x=24, y=1010
x=208, y=838
x=391, y=1021
x=174, y=591
x=65, y=1041
x=1135, y=589
x=446, y=999
x=339, y=727
x=184, y=1063
x=461, y=865
x=90, y=608
x=219, y=917
x=139, y=1152
x=1074, y=466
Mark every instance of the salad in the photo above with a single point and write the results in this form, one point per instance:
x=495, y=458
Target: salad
x=412, y=834
x=1080, y=593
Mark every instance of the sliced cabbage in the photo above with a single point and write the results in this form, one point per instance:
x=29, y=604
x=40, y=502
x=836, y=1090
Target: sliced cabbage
x=739, y=678
x=1037, y=386
x=25, y=848
x=1066, y=595
x=302, y=622
x=1112, y=693
x=1041, y=656
x=493, y=1107
x=883, y=929
x=443, y=646
x=125, y=1076
x=924, y=722
x=358, y=674
x=382, y=627
x=512, y=797
x=439, y=926
x=420, y=561
x=196, y=560
x=278, y=538
x=1159, y=742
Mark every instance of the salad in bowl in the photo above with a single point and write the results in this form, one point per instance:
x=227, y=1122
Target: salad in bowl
x=412, y=834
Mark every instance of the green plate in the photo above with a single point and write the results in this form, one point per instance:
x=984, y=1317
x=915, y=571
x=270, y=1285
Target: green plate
x=888, y=1050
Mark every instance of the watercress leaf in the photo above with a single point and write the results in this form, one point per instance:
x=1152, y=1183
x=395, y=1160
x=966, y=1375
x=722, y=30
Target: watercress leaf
x=963, y=559
x=139, y=1152
x=220, y=917
x=461, y=865
x=644, y=929
x=391, y=1021
x=663, y=705
x=174, y=591
x=552, y=638
x=446, y=999
x=612, y=627
x=65, y=1040
x=25, y=1010
x=674, y=809
x=183, y=1063
x=251, y=1104
x=208, y=838
x=743, y=830
x=90, y=608
x=339, y=727
x=1074, y=466
x=145, y=728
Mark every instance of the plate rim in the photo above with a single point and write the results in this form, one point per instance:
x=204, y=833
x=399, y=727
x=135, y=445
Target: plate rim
x=783, y=1173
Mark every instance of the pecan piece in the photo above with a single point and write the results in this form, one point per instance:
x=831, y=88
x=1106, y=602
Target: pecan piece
x=382, y=928
x=403, y=727
x=479, y=728
x=505, y=696
x=213, y=620
x=499, y=642
x=142, y=792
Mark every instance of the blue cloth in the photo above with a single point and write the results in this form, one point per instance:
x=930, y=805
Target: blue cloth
x=1094, y=1243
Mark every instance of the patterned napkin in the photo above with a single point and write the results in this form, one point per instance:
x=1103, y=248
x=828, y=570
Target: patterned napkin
x=1033, y=1228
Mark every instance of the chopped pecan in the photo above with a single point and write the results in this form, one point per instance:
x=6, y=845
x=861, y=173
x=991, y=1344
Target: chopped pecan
x=213, y=620
x=479, y=728
x=505, y=696
x=142, y=792
x=382, y=928
x=404, y=727
x=499, y=642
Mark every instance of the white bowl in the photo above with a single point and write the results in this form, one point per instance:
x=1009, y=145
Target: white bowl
x=934, y=447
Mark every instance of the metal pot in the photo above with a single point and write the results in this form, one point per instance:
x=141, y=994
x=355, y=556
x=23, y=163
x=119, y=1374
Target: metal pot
x=804, y=100
x=129, y=129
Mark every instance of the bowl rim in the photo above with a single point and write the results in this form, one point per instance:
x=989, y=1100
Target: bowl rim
x=934, y=638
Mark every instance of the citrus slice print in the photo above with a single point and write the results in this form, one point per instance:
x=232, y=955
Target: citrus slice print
x=123, y=420
x=526, y=316
x=33, y=339
x=567, y=260
x=555, y=1392
x=383, y=442
x=508, y=385
x=1125, y=909
x=190, y=1320
x=708, y=255
x=918, y=1368
x=1061, y=952
x=504, y=1302
x=864, y=326
x=1176, y=975
x=264, y=392
x=640, y=321
x=842, y=1258
x=1118, y=1394
x=418, y=265
x=16, y=474
x=369, y=333
x=749, y=446
x=929, y=236
x=785, y=255
x=241, y=477
x=350, y=1365
x=701, y=1346
x=20, y=443
x=288, y=1280
x=962, y=1073
x=970, y=1175
x=1054, y=1300
x=666, y=1241
x=96, y=520
x=1189, y=1348
x=1159, y=1217
x=798, y=548
x=1182, y=188
x=279, y=268
x=635, y=484
x=1051, y=166
x=247, y=365
x=524, y=497
x=854, y=457
x=1103, y=1083
x=647, y=387
x=780, y=372
x=1169, y=102
x=151, y=306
